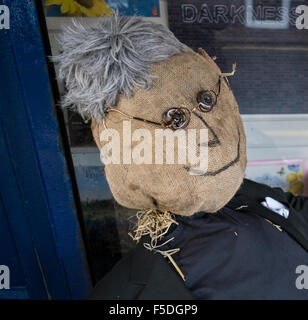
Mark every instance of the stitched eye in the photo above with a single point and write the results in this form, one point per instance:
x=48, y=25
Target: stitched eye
x=206, y=100
x=176, y=118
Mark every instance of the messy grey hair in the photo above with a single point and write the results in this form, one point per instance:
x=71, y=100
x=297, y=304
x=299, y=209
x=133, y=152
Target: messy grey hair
x=99, y=63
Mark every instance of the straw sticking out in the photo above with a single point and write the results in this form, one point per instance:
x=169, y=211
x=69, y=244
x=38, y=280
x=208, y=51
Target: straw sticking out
x=155, y=224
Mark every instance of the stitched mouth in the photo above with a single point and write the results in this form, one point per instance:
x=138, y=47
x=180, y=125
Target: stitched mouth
x=225, y=167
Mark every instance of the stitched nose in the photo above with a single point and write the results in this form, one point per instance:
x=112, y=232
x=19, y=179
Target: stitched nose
x=215, y=140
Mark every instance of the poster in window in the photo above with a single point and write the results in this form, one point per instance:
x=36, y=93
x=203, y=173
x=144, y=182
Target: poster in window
x=100, y=8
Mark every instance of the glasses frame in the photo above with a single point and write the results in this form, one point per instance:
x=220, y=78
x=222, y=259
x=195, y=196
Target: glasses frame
x=189, y=112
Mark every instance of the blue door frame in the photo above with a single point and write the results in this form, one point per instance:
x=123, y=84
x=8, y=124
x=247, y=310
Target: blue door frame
x=41, y=239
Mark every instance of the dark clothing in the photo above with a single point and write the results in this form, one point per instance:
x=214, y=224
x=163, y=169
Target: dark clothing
x=233, y=254
x=141, y=275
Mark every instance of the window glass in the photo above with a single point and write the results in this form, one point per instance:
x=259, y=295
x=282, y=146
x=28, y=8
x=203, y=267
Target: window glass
x=268, y=41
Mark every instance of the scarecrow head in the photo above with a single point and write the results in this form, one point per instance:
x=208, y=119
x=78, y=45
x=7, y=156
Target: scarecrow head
x=143, y=89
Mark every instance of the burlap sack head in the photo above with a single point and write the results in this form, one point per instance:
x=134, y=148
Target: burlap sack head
x=179, y=188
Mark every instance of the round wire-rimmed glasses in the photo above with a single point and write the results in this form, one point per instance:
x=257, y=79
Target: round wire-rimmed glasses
x=179, y=118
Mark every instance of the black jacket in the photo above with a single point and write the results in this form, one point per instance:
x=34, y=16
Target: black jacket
x=143, y=275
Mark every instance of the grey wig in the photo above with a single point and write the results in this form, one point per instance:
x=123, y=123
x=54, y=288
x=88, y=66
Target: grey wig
x=99, y=63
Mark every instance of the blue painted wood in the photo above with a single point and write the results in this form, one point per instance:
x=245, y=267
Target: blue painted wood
x=17, y=251
x=35, y=148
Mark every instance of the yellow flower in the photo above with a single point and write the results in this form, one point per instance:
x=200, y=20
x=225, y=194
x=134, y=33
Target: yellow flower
x=300, y=174
x=296, y=188
x=291, y=177
x=82, y=8
x=296, y=185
